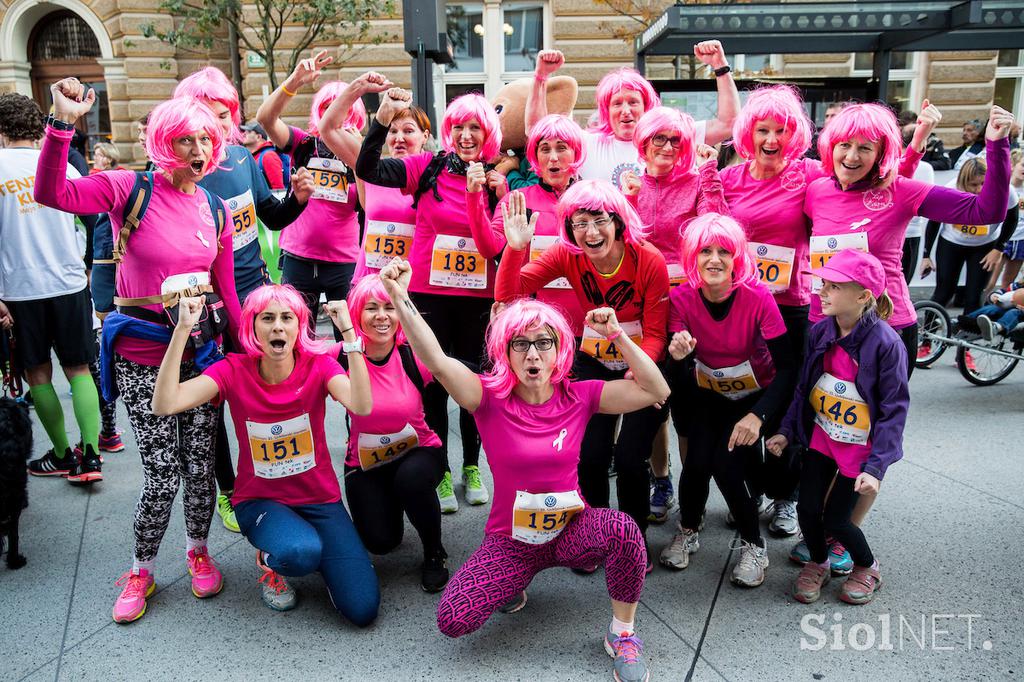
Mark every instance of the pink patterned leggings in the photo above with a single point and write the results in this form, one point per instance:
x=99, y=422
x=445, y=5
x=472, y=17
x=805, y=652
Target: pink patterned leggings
x=502, y=567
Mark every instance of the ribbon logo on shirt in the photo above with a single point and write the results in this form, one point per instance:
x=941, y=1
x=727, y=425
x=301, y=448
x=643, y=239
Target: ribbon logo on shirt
x=557, y=443
x=859, y=223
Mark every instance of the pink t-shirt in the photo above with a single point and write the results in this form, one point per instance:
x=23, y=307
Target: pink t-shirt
x=389, y=225
x=282, y=447
x=534, y=448
x=161, y=248
x=875, y=217
x=771, y=212
x=740, y=338
x=326, y=230
x=849, y=457
x=558, y=293
x=397, y=417
x=441, y=246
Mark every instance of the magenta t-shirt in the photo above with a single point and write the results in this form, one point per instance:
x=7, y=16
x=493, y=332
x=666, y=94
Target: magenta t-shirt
x=390, y=223
x=849, y=457
x=740, y=338
x=164, y=250
x=442, y=247
x=534, y=448
x=771, y=212
x=876, y=218
x=282, y=447
x=326, y=230
x=396, y=424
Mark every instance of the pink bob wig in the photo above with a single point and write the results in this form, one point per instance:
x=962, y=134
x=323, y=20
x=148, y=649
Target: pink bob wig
x=873, y=122
x=467, y=108
x=327, y=93
x=615, y=81
x=783, y=104
x=369, y=288
x=177, y=118
x=556, y=127
x=596, y=196
x=287, y=296
x=711, y=229
x=211, y=84
x=661, y=118
x=518, y=318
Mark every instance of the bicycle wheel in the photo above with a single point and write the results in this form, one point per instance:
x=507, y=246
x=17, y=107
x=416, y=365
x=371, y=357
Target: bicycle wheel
x=932, y=322
x=986, y=368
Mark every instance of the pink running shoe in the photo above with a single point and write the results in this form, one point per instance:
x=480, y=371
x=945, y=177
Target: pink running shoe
x=206, y=578
x=131, y=604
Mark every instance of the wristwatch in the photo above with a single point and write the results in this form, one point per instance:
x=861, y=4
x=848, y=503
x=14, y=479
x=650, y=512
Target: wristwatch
x=58, y=124
x=352, y=346
x=722, y=70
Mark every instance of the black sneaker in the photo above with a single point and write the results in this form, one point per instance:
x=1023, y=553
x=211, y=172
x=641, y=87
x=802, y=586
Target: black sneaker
x=434, y=572
x=86, y=469
x=51, y=465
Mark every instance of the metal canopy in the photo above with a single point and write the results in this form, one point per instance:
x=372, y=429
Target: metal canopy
x=831, y=27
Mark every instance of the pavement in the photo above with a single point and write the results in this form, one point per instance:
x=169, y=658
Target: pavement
x=946, y=529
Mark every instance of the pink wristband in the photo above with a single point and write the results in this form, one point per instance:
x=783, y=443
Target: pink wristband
x=617, y=334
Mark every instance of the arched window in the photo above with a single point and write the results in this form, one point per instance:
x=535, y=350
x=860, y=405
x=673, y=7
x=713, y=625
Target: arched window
x=62, y=45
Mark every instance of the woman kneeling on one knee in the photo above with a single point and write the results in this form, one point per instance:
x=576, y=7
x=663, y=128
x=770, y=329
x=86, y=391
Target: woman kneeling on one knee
x=531, y=419
x=287, y=497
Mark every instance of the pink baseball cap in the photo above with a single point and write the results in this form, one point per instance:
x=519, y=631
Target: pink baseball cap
x=852, y=265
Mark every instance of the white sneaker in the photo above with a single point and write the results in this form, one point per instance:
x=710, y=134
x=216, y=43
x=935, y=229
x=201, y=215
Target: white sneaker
x=987, y=327
x=750, y=569
x=446, y=495
x=476, y=492
x=677, y=553
x=784, y=521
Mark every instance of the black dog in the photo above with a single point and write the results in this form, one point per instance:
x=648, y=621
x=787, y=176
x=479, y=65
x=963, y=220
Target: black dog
x=15, y=449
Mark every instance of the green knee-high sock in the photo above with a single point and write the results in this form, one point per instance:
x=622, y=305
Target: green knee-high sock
x=86, y=402
x=51, y=414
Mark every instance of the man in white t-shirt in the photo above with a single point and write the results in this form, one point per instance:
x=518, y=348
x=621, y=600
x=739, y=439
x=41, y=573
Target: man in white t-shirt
x=45, y=296
x=622, y=97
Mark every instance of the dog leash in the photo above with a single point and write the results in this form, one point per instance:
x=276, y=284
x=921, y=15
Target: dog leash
x=12, y=386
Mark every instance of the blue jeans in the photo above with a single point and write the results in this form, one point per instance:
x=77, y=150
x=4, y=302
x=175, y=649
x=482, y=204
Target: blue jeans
x=1007, y=318
x=315, y=537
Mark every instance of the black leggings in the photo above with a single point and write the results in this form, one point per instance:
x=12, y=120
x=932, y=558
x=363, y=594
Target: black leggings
x=909, y=336
x=827, y=500
x=911, y=248
x=631, y=451
x=313, y=277
x=459, y=323
x=378, y=497
x=950, y=259
x=222, y=466
x=708, y=457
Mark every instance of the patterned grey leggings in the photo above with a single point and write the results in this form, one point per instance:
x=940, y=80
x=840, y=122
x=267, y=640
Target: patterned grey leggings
x=172, y=448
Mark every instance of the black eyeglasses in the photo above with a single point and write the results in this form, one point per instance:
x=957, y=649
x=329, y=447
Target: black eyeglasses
x=523, y=345
x=660, y=140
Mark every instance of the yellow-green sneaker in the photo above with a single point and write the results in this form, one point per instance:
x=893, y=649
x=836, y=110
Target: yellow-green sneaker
x=476, y=493
x=227, y=513
x=446, y=495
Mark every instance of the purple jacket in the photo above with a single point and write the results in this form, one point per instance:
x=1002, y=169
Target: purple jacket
x=881, y=381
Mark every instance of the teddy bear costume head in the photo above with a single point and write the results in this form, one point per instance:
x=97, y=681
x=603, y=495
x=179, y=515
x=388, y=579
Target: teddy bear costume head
x=510, y=103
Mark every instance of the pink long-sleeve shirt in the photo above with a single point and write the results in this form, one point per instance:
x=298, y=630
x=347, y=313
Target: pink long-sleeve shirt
x=177, y=236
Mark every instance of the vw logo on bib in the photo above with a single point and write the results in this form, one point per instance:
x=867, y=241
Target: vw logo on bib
x=462, y=243
x=718, y=374
x=390, y=228
x=384, y=440
x=833, y=243
x=193, y=280
x=550, y=501
x=276, y=430
x=840, y=387
x=233, y=204
x=762, y=250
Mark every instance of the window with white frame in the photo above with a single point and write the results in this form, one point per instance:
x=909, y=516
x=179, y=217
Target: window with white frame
x=483, y=62
x=904, y=73
x=1009, y=91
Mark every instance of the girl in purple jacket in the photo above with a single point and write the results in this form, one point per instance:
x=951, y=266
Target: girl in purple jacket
x=849, y=412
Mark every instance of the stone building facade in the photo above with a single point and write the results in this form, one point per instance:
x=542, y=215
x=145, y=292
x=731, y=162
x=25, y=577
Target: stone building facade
x=101, y=42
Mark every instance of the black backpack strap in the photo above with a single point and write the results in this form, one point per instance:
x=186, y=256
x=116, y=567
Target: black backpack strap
x=428, y=180
x=410, y=366
x=134, y=211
